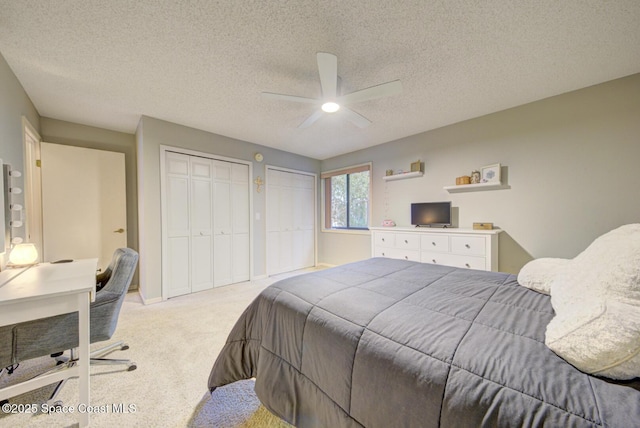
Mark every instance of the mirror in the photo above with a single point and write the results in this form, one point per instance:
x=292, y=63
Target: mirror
x=3, y=202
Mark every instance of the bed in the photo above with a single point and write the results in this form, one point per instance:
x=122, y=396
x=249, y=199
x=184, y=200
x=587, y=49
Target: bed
x=384, y=342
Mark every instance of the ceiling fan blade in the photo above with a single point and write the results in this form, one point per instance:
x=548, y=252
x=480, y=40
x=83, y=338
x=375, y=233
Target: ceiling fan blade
x=378, y=91
x=272, y=96
x=311, y=119
x=328, y=70
x=358, y=119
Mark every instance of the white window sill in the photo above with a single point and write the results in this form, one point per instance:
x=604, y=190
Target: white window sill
x=348, y=231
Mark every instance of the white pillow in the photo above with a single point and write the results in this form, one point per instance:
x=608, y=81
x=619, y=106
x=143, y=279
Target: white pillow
x=538, y=274
x=596, y=298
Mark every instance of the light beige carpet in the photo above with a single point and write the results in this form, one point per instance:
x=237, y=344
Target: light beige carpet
x=174, y=344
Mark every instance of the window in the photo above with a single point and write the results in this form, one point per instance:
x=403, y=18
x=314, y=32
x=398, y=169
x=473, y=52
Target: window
x=346, y=198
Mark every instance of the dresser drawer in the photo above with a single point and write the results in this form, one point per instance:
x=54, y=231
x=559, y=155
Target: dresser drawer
x=437, y=243
x=468, y=262
x=468, y=245
x=436, y=258
x=384, y=239
x=396, y=253
x=380, y=251
x=405, y=241
x=454, y=260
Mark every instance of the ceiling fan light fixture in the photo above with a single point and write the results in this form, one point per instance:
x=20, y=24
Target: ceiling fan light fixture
x=330, y=107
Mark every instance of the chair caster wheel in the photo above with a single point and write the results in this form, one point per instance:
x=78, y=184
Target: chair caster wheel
x=131, y=367
x=54, y=405
x=124, y=347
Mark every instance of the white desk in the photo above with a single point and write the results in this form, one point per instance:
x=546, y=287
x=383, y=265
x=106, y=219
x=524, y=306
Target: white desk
x=45, y=290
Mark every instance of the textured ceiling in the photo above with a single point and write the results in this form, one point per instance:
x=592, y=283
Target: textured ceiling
x=204, y=64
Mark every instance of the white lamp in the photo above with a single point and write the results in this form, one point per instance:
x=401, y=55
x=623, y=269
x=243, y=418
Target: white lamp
x=23, y=254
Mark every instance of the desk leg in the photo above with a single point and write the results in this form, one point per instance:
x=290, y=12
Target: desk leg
x=83, y=356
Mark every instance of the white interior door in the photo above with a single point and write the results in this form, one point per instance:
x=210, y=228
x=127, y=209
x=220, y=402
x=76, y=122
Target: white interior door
x=33, y=187
x=83, y=203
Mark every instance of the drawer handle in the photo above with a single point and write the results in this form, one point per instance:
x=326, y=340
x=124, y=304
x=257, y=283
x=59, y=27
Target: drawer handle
x=434, y=260
x=467, y=265
x=406, y=257
x=383, y=254
x=467, y=245
x=382, y=239
x=406, y=242
x=433, y=243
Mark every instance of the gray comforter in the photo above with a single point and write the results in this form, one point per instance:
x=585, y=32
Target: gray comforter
x=391, y=343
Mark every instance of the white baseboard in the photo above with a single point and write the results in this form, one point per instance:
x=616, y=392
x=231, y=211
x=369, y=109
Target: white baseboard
x=327, y=265
x=148, y=301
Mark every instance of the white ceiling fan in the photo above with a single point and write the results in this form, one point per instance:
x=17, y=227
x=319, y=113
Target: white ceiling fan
x=331, y=102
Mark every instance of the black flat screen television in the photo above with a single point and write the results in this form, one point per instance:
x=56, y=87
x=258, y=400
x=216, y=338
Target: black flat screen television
x=437, y=214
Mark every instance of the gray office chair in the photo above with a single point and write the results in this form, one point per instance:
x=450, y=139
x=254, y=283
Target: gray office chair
x=54, y=335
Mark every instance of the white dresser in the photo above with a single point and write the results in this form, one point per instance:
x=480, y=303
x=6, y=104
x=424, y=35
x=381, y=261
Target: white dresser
x=465, y=248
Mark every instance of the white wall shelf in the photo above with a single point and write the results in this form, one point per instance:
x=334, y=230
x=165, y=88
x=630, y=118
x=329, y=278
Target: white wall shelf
x=476, y=187
x=402, y=176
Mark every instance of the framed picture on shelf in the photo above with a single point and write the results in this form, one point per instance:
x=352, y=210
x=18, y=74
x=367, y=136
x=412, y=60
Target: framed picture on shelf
x=491, y=173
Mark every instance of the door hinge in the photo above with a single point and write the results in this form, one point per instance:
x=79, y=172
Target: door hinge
x=38, y=163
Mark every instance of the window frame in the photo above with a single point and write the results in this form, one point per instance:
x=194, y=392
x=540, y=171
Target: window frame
x=325, y=177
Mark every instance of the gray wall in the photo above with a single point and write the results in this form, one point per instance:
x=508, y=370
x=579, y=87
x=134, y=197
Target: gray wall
x=72, y=134
x=151, y=134
x=570, y=161
x=14, y=105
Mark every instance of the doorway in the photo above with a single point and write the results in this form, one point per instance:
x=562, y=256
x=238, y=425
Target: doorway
x=83, y=203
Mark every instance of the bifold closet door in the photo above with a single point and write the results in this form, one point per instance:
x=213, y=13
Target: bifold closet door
x=240, y=261
x=201, y=201
x=290, y=221
x=222, y=228
x=303, y=221
x=207, y=211
x=177, y=266
x=230, y=223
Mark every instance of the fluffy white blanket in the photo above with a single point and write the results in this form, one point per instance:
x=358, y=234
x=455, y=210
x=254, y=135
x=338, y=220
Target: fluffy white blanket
x=596, y=298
